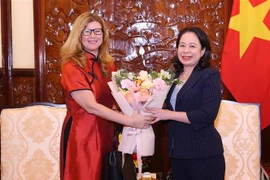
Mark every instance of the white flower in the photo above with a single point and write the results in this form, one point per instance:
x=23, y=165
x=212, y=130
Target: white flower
x=143, y=75
x=131, y=75
x=165, y=74
x=147, y=84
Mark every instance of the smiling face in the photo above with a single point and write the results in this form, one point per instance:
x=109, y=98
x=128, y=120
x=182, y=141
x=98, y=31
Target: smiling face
x=92, y=42
x=189, y=50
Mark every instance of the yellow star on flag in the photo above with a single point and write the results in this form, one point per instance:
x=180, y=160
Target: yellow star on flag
x=249, y=23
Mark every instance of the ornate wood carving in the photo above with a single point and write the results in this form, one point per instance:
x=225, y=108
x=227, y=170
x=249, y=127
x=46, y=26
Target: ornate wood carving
x=143, y=34
x=54, y=89
x=23, y=86
x=23, y=90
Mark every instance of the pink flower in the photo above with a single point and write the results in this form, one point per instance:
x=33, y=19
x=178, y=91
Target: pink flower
x=144, y=95
x=128, y=84
x=159, y=84
x=129, y=97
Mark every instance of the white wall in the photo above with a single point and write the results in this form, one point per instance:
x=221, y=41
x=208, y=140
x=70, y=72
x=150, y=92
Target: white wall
x=22, y=33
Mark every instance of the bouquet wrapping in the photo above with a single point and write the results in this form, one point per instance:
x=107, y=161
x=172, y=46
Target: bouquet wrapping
x=142, y=140
x=135, y=92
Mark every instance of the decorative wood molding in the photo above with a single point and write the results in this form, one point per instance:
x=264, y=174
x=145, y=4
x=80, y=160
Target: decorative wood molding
x=18, y=72
x=40, y=48
x=23, y=90
x=23, y=86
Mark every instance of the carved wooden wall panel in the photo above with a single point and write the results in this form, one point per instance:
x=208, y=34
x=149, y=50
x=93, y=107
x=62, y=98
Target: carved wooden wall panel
x=23, y=90
x=22, y=86
x=143, y=34
x=54, y=90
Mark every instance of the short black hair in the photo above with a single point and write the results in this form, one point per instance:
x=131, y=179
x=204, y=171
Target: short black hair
x=205, y=44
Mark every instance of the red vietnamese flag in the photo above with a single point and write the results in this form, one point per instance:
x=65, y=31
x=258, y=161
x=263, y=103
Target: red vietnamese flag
x=245, y=65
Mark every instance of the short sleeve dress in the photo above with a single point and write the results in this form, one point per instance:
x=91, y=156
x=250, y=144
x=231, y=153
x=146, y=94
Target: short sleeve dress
x=85, y=137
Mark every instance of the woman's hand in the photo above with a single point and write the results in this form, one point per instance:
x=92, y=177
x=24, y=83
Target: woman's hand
x=141, y=121
x=159, y=114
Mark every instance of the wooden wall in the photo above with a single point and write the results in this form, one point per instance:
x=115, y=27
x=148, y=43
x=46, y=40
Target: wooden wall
x=135, y=27
x=142, y=32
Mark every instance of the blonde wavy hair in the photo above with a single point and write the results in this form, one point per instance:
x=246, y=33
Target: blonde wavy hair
x=72, y=50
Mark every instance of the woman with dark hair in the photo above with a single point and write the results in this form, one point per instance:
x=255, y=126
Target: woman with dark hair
x=194, y=145
x=87, y=132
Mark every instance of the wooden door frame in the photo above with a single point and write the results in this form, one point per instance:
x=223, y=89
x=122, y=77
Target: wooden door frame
x=39, y=48
x=7, y=55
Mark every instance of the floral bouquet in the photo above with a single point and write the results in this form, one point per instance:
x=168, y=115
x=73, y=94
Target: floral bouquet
x=135, y=92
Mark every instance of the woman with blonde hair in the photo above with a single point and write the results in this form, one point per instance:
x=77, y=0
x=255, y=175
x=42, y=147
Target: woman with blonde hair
x=87, y=132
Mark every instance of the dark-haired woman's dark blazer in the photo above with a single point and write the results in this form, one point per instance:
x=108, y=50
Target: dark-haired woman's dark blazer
x=200, y=98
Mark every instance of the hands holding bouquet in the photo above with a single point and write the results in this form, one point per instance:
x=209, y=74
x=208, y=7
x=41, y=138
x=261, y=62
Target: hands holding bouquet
x=134, y=92
x=140, y=121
